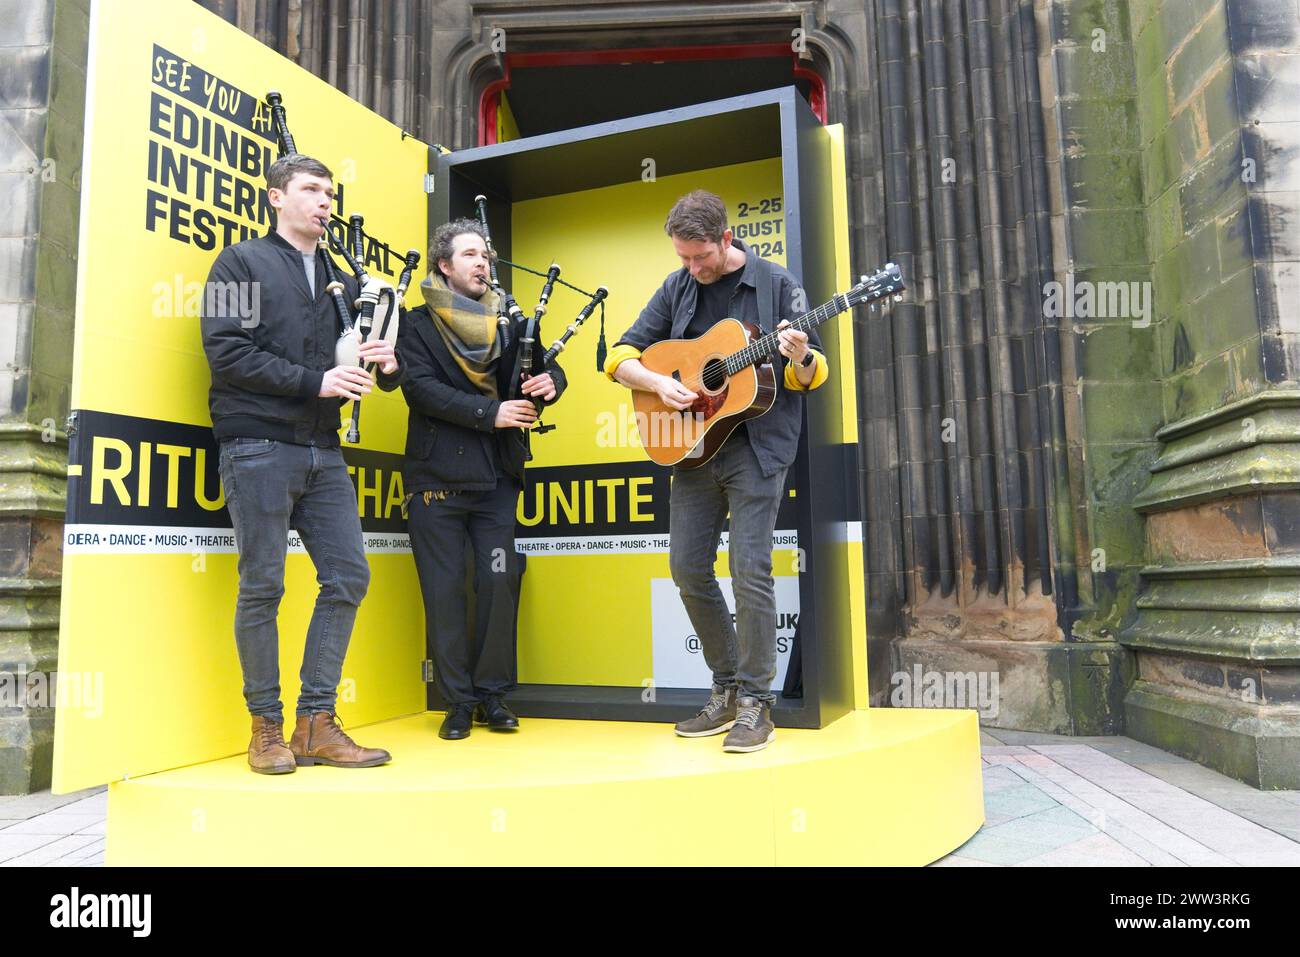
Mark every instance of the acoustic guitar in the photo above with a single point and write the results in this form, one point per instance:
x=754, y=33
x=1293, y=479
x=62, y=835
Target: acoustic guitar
x=730, y=368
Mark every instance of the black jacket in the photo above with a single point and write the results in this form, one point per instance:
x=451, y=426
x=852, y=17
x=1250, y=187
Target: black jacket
x=269, y=344
x=775, y=434
x=451, y=437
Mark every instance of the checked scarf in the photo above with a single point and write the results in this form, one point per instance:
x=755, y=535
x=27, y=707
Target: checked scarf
x=469, y=329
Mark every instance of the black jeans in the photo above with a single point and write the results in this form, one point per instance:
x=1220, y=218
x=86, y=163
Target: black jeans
x=469, y=668
x=271, y=487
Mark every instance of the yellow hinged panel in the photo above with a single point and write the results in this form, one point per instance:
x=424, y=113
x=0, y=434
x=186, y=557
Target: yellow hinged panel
x=177, y=146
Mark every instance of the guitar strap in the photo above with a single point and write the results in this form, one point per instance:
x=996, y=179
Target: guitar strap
x=763, y=279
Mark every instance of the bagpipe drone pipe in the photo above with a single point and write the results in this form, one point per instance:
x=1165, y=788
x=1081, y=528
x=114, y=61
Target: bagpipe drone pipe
x=512, y=320
x=378, y=305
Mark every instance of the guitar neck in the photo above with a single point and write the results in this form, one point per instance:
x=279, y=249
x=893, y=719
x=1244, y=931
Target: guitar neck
x=763, y=347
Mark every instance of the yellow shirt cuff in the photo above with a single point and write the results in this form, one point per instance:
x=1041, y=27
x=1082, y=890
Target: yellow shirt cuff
x=821, y=372
x=618, y=355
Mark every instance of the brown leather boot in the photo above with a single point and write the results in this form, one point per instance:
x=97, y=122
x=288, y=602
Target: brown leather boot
x=267, y=752
x=318, y=739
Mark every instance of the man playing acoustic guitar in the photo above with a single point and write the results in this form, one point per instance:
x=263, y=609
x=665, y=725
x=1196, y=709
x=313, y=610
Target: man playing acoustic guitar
x=722, y=278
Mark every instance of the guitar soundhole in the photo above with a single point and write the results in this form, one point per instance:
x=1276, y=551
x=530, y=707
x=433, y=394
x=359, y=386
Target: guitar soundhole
x=715, y=375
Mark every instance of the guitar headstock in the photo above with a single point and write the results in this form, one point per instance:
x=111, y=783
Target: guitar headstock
x=886, y=281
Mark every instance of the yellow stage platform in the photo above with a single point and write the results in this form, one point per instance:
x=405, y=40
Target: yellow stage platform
x=878, y=787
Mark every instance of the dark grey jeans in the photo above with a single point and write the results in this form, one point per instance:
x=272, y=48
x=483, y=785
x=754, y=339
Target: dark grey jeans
x=741, y=655
x=271, y=487
x=469, y=665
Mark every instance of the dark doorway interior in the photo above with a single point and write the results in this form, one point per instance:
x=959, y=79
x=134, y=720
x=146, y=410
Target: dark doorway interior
x=549, y=92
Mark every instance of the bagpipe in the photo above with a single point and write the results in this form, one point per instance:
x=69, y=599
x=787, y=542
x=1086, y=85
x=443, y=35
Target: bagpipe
x=512, y=321
x=378, y=305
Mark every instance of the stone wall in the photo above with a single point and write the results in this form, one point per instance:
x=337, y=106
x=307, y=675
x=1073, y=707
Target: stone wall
x=42, y=99
x=1217, y=621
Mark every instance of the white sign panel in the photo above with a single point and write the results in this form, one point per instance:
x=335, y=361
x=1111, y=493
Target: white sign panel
x=678, y=657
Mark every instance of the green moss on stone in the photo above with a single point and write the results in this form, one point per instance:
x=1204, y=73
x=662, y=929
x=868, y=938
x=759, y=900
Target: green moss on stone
x=1105, y=180
x=1202, y=387
x=1226, y=315
x=1219, y=99
x=1108, y=237
x=1207, y=47
x=1119, y=353
x=1121, y=411
x=1099, y=125
x=1117, y=473
x=1088, y=74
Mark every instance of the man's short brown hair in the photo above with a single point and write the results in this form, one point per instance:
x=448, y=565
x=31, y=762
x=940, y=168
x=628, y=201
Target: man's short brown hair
x=698, y=215
x=284, y=169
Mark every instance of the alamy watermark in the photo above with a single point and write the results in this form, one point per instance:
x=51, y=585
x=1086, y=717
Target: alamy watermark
x=221, y=300
x=919, y=688
x=1084, y=299
x=76, y=909
x=68, y=691
x=659, y=428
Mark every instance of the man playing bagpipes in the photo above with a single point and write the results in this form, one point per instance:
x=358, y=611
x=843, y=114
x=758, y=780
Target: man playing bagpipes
x=463, y=472
x=275, y=398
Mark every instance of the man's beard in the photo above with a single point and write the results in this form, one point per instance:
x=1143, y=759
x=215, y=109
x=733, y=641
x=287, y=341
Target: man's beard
x=710, y=276
x=470, y=290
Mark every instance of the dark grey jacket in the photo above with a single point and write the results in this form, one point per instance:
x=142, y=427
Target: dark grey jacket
x=774, y=435
x=452, y=441
x=269, y=343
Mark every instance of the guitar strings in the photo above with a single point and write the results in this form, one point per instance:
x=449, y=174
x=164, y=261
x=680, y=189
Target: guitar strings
x=766, y=344
x=755, y=350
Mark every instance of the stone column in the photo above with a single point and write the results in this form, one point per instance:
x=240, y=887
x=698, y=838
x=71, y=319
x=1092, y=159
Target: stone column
x=42, y=101
x=1217, y=625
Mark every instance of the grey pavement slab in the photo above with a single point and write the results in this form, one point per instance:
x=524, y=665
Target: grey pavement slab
x=94, y=804
x=54, y=824
x=1118, y=832
x=1013, y=802
x=997, y=777
x=1114, y=807
x=1096, y=850
x=1056, y=801
x=94, y=850
x=29, y=805
x=1279, y=811
x=16, y=845
x=1000, y=850
x=52, y=852
x=1239, y=840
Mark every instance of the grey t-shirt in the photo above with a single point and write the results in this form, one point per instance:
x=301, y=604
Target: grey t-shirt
x=309, y=264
